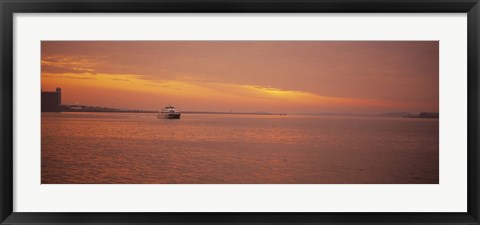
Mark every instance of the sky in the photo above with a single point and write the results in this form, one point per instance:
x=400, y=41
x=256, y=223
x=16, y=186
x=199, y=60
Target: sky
x=246, y=76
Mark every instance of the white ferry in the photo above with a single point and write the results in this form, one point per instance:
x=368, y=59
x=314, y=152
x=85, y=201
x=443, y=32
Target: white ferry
x=169, y=112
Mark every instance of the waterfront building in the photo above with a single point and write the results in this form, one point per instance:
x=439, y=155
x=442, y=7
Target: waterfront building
x=51, y=100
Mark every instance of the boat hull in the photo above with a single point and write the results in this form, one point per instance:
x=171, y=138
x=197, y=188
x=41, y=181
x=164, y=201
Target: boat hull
x=169, y=116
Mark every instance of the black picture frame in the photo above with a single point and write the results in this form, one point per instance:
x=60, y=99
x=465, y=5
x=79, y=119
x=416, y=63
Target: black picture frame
x=9, y=7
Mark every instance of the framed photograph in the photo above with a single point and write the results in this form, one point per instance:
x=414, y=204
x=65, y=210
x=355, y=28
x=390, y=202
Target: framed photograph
x=239, y=112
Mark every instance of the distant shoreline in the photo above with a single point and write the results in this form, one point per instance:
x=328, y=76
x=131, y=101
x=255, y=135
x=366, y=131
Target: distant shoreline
x=71, y=108
x=151, y=111
x=247, y=113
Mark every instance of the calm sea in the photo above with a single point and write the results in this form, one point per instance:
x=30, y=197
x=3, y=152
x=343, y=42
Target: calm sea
x=97, y=148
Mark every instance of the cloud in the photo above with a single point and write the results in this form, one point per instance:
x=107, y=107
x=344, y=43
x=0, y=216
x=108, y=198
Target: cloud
x=83, y=76
x=90, y=72
x=67, y=64
x=224, y=93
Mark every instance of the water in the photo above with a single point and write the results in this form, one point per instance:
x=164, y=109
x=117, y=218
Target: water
x=137, y=148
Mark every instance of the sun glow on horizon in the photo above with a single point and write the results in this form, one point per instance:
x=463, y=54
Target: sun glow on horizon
x=215, y=92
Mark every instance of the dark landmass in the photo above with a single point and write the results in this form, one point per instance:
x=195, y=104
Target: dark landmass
x=84, y=108
x=425, y=115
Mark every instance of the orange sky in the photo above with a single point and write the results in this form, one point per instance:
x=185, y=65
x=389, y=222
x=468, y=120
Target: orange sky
x=246, y=76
